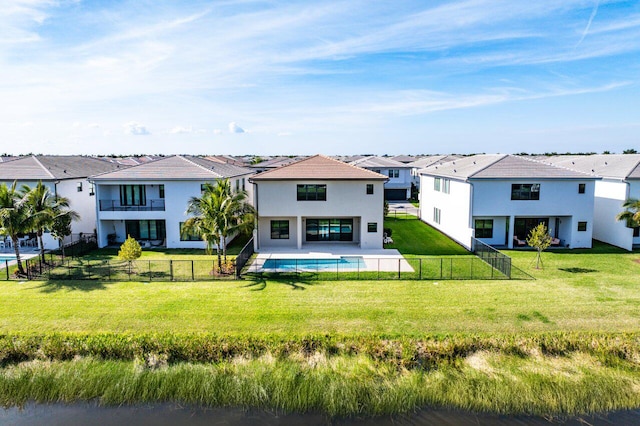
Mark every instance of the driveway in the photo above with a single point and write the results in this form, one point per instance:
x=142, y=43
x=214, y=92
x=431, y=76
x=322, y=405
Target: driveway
x=398, y=207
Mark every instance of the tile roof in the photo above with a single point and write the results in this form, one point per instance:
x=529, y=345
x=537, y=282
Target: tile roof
x=432, y=160
x=319, y=167
x=177, y=167
x=501, y=166
x=404, y=158
x=54, y=167
x=378, y=162
x=615, y=166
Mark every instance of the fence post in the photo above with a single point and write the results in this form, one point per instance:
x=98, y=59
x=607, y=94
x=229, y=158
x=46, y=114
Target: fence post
x=171, y=269
x=399, y=267
x=441, y=260
x=6, y=266
x=150, y=271
x=492, y=267
x=68, y=269
x=193, y=277
x=420, y=276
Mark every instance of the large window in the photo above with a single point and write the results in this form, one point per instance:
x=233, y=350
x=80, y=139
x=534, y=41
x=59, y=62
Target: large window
x=636, y=232
x=484, y=228
x=524, y=225
x=436, y=215
x=525, y=191
x=312, y=192
x=394, y=173
x=146, y=229
x=188, y=236
x=279, y=229
x=437, y=182
x=329, y=229
x=441, y=185
x=133, y=195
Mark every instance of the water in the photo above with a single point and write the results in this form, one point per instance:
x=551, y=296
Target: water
x=172, y=414
x=342, y=263
x=7, y=257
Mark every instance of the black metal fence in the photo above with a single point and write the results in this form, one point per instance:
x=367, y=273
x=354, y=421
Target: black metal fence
x=244, y=256
x=493, y=257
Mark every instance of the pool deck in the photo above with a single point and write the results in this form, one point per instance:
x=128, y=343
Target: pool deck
x=374, y=259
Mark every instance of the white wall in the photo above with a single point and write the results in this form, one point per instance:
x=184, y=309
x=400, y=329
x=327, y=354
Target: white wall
x=609, y=198
x=455, y=216
x=634, y=192
x=345, y=199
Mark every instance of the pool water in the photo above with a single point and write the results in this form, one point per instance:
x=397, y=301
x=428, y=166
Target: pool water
x=7, y=257
x=352, y=262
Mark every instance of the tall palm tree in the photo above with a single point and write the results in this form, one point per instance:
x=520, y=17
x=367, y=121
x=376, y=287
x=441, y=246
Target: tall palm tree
x=15, y=218
x=631, y=212
x=217, y=214
x=45, y=207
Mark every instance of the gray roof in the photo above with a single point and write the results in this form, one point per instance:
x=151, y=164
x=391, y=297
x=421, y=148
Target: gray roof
x=613, y=166
x=502, y=166
x=54, y=167
x=177, y=167
x=378, y=162
x=404, y=158
x=432, y=160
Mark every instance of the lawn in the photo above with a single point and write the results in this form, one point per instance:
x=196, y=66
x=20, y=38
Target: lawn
x=412, y=238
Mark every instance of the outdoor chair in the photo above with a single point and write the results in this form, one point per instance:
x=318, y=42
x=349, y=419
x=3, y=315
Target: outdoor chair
x=518, y=242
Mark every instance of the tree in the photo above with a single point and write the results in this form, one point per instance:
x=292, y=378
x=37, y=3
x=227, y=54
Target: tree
x=385, y=209
x=217, y=214
x=15, y=218
x=630, y=151
x=130, y=250
x=539, y=239
x=44, y=207
x=60, y=228
x=631, y=213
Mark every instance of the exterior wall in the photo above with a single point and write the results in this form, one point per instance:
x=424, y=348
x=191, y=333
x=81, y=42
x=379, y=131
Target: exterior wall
x=402, y=181
x=177, y=196
x=345, y=199
x=634, y=192
x=500, y=230
x=610, y=195
x=558, y=198
x=455, y=209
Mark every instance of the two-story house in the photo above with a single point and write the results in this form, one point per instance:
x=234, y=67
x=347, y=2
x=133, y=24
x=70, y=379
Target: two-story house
x=498, y=199
x=398, y=186
x=319, y=200
x=620, y=181
x=149, y=201
x=65, y=176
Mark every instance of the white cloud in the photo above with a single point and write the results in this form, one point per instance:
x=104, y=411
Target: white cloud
x=217, y=131
x=136, y=129
x=181, y=130
x=234, y=128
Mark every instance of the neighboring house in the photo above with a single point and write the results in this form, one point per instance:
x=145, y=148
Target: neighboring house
x=620, y=181
x=149, y=201
x=497, y=198
x=319, y=200
x=425, y=162
x=65, y=176
x=273, y=163
x=405, y=158
x=398, y=187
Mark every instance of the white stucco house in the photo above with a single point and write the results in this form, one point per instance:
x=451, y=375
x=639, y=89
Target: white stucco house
x=65, y=176
x=398, y=187
x=319, y=200
x=149, y=201
x=498, y=198
x=620, y=181
x=428, y=161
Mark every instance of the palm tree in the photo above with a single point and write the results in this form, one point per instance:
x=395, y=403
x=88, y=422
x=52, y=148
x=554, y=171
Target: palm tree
x=631, y=214
x=15, y=218
x=45, y=207
x=218, y=213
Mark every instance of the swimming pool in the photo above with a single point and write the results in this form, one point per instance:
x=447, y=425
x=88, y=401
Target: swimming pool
x=342, y=263
x=7, y=257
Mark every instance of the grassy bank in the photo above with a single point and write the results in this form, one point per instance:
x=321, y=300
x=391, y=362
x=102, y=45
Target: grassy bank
x=337, y=375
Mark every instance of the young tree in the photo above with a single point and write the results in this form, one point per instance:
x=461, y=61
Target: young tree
x=15, y=218
x=130, y=250
x=631, y=213
x=44, y=207
x=60, y=228
x=539, y=239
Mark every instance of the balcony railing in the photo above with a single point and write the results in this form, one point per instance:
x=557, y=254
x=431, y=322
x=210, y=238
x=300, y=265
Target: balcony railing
x=115, y=206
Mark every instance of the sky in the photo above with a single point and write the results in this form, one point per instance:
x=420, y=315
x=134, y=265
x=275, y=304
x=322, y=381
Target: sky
x=331, y=77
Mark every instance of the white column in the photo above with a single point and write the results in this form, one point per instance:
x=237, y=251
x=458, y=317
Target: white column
x=299, y=228
x=511, y=228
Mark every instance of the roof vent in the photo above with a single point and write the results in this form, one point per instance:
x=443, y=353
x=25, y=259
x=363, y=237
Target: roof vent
x=455, y=171
x=605, y=163
x=474, y=162
x=592, y=170
x=64, y=171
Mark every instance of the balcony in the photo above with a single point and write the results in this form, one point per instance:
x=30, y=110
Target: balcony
x=115, y=206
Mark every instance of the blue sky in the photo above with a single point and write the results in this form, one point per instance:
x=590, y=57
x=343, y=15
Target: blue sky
x=331, y=77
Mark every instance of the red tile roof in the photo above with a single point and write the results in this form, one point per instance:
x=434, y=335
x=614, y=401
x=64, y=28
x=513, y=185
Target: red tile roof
x=318, y=167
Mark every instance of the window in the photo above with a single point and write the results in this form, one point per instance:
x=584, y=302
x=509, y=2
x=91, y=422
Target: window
x=92, y=188
x=202, y=186
x=484, y=228
x=377, y=171
x=441, y=185
x=312, y=192
x=636, y=232
x=329, y=229
x=525, y=191
x=369, y=188
x=582, y=226
x=436, y=215
x=436, y=184
x=160, y=191
x=394, y=173
x=581, y=188
x=188, y=236
x=243, y=187
x=279, y=229
x=79, y=186
x=237, y=185
x=445, y=185
x=133, y=195
x=372, y=227
x=146, y=229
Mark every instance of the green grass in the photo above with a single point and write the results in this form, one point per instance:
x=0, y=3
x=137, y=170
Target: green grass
x=412, y=237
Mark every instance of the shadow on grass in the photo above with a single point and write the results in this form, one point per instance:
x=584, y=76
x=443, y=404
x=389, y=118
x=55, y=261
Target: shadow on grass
x=578, y=270
x=70, y=285
x=296, y=282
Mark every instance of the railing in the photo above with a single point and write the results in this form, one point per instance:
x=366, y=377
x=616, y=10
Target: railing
x=493, y=257
x=116, y=206
x=244, y=256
